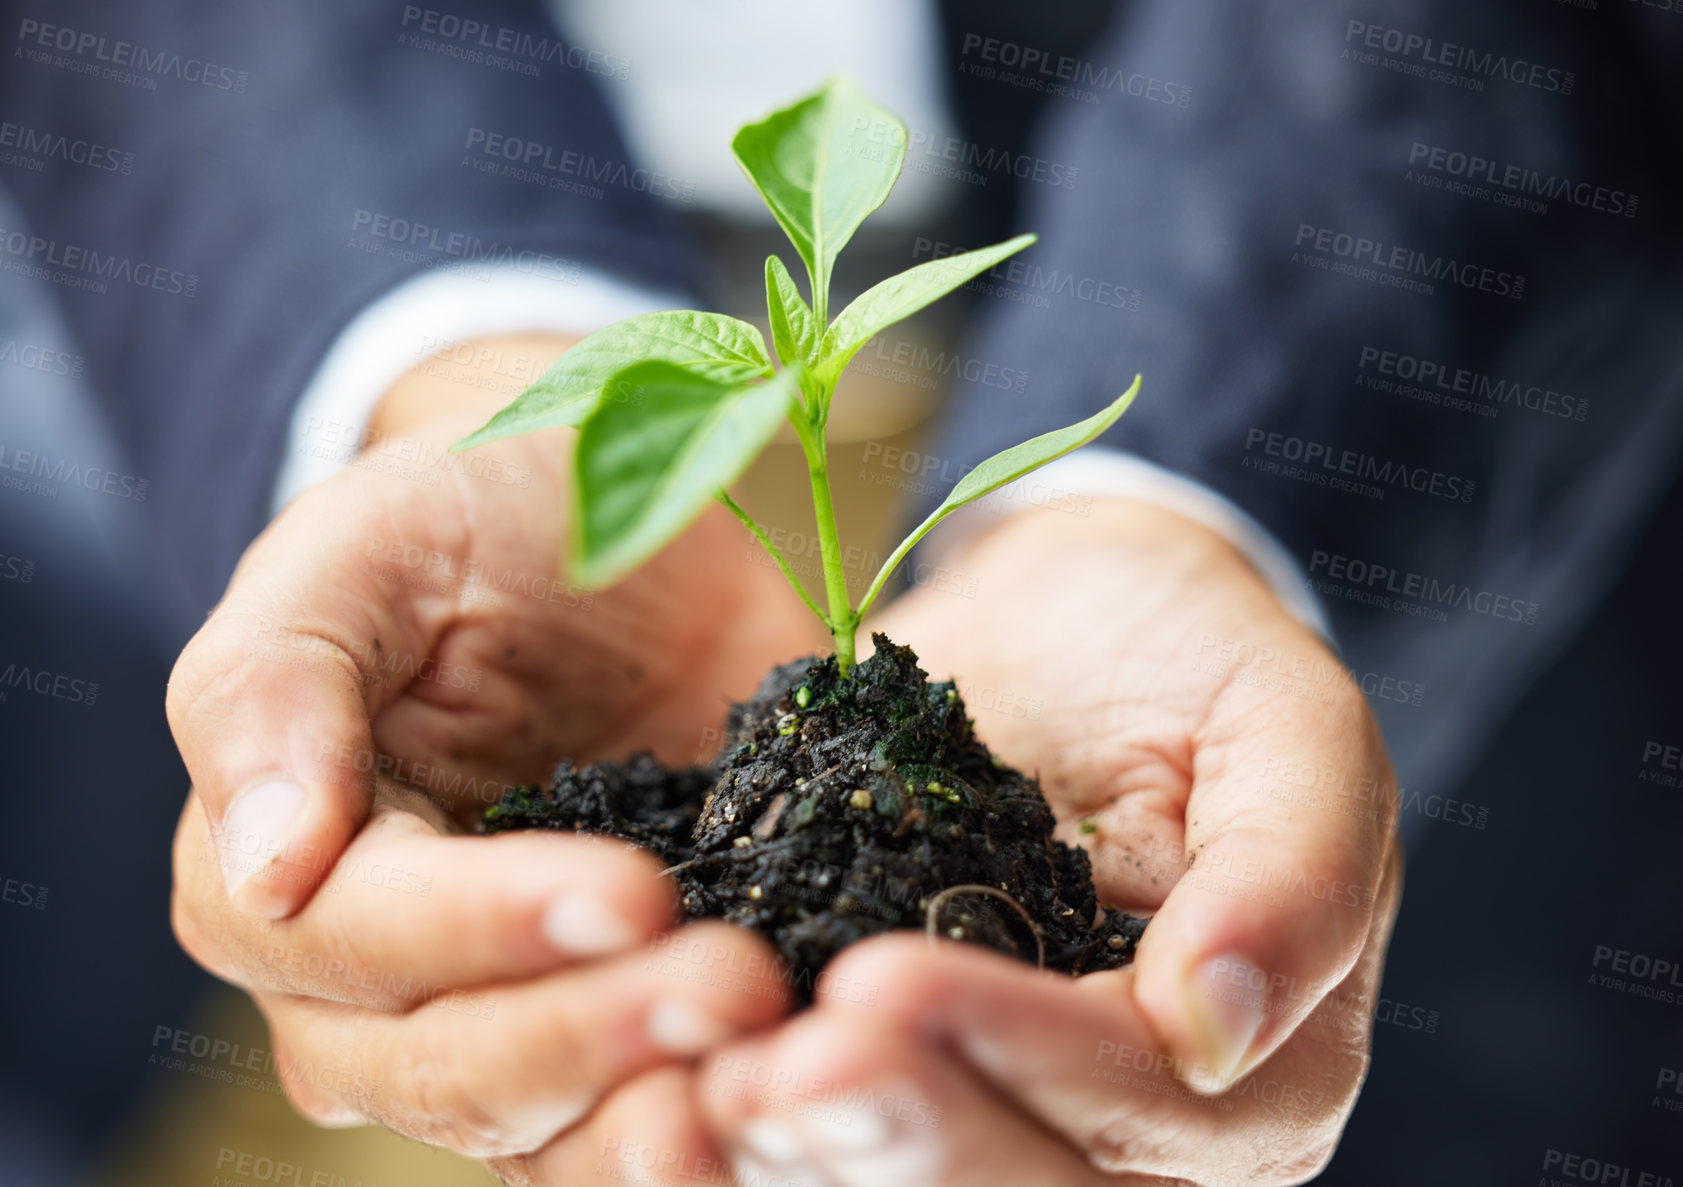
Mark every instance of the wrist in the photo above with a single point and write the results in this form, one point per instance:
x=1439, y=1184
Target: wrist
x=451, y=393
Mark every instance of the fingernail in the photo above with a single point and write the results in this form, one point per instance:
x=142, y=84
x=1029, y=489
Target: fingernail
x=1228, y=998
x=683, y=1028
x=886, y=1140
x=583, y=925
x=257, y=829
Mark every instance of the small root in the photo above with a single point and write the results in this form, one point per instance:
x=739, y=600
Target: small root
x=932, y=913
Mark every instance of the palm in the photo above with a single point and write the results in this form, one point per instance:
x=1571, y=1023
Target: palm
x=486, y=665
x=1111, y=743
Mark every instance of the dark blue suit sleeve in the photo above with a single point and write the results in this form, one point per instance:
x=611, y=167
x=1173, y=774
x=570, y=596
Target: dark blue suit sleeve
x=218, y=238
x=1388, y=272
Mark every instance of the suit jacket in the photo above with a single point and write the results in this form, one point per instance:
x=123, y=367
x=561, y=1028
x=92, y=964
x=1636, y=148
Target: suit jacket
x=1412, y=247
x=250, y=150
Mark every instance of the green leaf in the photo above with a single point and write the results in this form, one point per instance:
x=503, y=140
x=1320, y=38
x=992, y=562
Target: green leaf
x=1000, y=469
x=883, y=304
x=647, y=464
x=823, y=165
x=706, y=344
x=793, y=331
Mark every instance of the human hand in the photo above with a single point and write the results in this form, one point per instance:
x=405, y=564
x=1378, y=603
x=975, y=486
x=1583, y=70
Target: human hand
x=1232, y=1050
x=404, y=617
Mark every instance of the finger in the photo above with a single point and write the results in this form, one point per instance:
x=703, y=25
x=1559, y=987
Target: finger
x=501, y=1070
x=849, y=1102
x=271, y=684
x=408, y=912
x=1278, y=900
x=649, y=1132
x=1080, y=1056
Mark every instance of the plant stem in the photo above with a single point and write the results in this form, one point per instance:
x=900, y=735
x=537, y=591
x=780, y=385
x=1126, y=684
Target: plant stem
x=775, y=553
x=842, y=619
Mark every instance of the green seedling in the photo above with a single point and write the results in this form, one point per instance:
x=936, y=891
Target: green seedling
x=672, y=407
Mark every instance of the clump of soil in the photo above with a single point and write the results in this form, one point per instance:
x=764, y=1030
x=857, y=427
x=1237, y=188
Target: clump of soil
x=842, y=808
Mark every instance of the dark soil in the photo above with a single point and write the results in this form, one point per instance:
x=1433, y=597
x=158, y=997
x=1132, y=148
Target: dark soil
x=839, y=809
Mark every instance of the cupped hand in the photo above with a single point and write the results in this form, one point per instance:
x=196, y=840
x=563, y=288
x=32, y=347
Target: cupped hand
x=1226, y=776
x=405, y=620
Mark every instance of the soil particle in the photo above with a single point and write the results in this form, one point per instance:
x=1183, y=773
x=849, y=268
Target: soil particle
x=838, y=809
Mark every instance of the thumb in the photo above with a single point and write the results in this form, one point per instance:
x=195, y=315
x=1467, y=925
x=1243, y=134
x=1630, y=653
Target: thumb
x=1279, y=899
x=271, y=711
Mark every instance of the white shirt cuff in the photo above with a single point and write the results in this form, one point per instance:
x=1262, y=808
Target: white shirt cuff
x=420, y=317
x=1099, y=471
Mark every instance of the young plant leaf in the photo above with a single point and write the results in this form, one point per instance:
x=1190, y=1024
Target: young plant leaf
x=645, y=466
x=888, y=301
x=709, y=345
x=1001, y=468
x=823, y=165
x=793, y=330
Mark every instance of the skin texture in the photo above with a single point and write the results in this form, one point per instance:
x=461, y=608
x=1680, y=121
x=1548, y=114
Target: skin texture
x=479, y=993
x=454, y=988
x=955, y=1066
